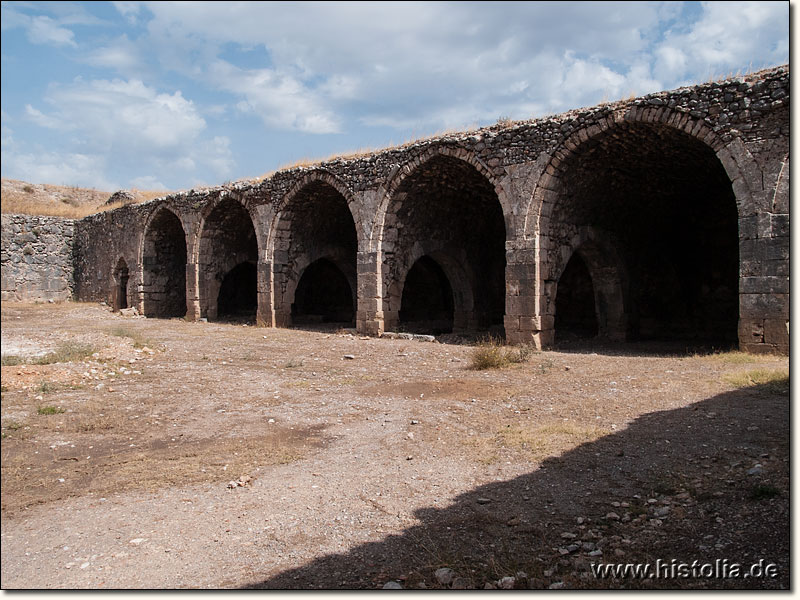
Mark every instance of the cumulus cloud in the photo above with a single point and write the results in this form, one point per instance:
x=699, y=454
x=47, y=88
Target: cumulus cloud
x=728, y=37
x=130, y=122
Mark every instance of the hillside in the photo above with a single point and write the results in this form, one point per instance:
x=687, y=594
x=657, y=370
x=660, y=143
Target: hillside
x=73, y=202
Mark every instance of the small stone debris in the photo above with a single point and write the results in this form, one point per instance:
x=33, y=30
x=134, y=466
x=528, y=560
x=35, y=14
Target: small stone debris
x=483, y=500
x=444, y=575
x=414, y=422
x=757, y=469
x=349, y=356
x=612, y=516
x=129, y=312
x=424, y=338
x=558, y=585
x=568, y=535
x=243, y=481
x=460, y=583
x=392, y=585
x=507, y=583
x=137, y=541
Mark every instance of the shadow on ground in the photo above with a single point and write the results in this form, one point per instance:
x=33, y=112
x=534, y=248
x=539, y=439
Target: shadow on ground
x=705, y=482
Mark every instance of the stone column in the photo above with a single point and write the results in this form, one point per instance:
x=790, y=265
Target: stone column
x=764, y=283
x=265, y=314
x=192, y=292
x=523, y=323
x=369, y=312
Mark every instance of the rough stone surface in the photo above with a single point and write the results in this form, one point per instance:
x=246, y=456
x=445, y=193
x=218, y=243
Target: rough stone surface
x=37, y=258
x=663, y=217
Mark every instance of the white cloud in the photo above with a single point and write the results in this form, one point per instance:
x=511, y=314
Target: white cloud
x=122, y=123
x=148, y=182
x=280, y=100
x=43, y=120
x=122, y=55
x=84, y=170
x=728, y=36
x=44, y=30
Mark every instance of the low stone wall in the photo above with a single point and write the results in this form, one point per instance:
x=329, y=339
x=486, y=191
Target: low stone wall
x=37, y=258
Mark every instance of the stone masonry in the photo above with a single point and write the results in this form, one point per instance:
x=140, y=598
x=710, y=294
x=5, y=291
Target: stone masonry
x=37, y=260
x=664, y=217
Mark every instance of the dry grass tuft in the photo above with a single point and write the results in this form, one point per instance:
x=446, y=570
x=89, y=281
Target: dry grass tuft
x=775, y=381
x=491, y=354
x=734, y=357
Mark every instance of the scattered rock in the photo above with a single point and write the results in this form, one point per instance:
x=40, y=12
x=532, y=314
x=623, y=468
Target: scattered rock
x=612, y=516
x=349, y=356
x=507, y=583
x=556, y=586
x=392, y=585
x=129, y=312
x=121, y=197
x=137, y=541
x=243, y=481
x=460, y=583
x=483, y=500
x=444, y=575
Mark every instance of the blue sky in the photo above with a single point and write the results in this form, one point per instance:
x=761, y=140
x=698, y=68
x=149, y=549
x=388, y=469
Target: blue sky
x=167, y=95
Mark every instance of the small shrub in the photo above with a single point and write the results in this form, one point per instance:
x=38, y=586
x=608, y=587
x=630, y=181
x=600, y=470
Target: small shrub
x=13, y=425
x=27, y=189
x=66, y=352
x=763, y=491
x=45, y=387
x=50, y=410
x=139, y=341
x=12, y=360
x=488, y=355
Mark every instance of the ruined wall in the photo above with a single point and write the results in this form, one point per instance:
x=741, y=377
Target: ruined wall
x=676, y=205
x=37, y=258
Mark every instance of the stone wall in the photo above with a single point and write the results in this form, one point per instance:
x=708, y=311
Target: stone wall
x=673, y=210
x=37, y=258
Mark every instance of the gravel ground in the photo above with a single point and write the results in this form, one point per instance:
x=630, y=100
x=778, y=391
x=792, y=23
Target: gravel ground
x=211, y=455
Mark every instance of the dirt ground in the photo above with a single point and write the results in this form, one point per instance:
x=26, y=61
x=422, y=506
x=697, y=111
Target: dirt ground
x=147, y=453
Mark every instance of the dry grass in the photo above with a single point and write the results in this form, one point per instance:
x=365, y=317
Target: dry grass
x=537, y=442
x=493, y=355
x=775, y=381
x=67, y=202
x=734, y=357
x=65, y=352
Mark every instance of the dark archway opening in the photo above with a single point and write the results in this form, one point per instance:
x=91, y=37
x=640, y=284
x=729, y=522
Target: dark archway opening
x=238, y=297
x=120, y=293
x=665, y=199
x=448, y=208
x=316, y=229
x=323, y=295
x=227, y=264
x=576, y=317
x=427, y=301
x=164, y=267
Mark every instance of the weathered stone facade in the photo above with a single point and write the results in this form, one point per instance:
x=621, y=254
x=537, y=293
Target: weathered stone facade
x=662, y=217
x=37, y=258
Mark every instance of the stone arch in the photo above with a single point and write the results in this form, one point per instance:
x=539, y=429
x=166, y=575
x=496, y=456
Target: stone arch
x=410, y=166
x=163, y=262
x=227, y=252
x=120, y=278
x=452, y=263
x=608, y=279
x=676, y=136
x=446, y=202
x=325, y=291
x=315, y=220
